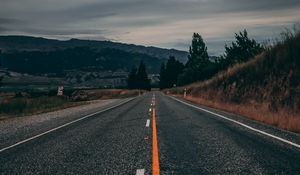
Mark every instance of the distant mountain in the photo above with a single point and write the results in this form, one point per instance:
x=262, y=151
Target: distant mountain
x=77, y=62
x=58, y=62
x=28, y=43
x=80, y=62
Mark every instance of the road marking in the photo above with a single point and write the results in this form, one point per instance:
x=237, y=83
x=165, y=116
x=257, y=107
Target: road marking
x=155, y=159
x=242, y=124
x=140, y=171
x=148, y=123
x=62, y=126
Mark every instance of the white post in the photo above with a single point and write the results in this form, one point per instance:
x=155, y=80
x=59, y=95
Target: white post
x=184, y=93
x=60, y=91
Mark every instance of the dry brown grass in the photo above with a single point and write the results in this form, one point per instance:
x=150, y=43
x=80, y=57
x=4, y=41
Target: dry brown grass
x=102, y=94
x=12, y=106
x=266, y=88
x=283, y=118
x=16, y=107
x=223, y=75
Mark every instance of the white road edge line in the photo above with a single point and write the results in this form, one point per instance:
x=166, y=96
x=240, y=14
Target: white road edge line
x=241, y=124
x=140, y=171
x=148, y=123
x=64, y=125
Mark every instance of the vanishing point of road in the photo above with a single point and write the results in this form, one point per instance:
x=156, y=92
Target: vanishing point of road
x=151, y=134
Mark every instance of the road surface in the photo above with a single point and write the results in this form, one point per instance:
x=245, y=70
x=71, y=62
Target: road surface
x=149, y=134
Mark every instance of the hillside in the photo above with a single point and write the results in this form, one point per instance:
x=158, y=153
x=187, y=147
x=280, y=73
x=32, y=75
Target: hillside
x=77, y=62
x=80, y=66
x=267, y=88
x=58, y=62
x=28, y=43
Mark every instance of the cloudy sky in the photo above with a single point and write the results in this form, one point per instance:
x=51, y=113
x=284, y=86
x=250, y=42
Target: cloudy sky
x=162, y=23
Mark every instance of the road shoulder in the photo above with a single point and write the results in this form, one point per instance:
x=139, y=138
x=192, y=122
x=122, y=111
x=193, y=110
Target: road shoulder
x=290, y=136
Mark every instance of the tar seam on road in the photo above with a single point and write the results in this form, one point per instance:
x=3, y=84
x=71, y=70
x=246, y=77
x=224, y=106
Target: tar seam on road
x=62, y=126
x=155, y=158
x=242, y=124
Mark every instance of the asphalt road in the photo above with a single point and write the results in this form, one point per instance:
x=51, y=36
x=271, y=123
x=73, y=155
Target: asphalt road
x=190, y=141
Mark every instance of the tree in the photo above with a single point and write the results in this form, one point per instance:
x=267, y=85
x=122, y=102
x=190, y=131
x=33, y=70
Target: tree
x=198, y=62
x=138, y=78
x=131, y=80
x=241, y=50
x=142, y=77
x=0, y=66
x=198, y=53
x=169, y=73
x=162, y=76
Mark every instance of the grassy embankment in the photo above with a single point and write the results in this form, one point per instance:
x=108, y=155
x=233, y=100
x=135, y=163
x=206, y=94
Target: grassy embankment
x=15, y=105
x=266, y=89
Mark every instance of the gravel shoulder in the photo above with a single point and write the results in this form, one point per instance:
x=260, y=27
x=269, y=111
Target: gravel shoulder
x=15, y=129
x=288, y=135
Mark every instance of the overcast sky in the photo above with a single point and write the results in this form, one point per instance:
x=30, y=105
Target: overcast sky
x=162, y=23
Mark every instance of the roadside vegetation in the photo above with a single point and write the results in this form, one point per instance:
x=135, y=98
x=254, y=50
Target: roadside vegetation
x=138, y=78
x=103, y=94
x=24, y=103
x=21, y=106
x=201, y=67
x=263, y=84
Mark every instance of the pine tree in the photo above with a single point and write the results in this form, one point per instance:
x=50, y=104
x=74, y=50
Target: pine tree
x=198, y=55
x=242, y=49
x=142, y=77
x=173, y=69
x=1, y=78
x=132, y=79
x=162, y=74
x=198, y=66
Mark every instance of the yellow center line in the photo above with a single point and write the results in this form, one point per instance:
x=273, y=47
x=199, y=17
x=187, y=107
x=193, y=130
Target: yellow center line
x=155, y=158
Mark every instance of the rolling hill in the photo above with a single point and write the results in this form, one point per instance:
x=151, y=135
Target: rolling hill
x=80, y=62
x=267, y=88
x=28, y=43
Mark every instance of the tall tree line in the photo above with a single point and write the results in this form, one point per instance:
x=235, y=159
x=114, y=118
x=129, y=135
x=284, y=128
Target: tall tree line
x=169, y=73
x=199, y=67
x=0, y=67
x=138, y=78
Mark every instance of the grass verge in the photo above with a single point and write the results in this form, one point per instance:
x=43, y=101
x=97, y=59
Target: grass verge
x=15, y=106
x=283, y=118
x=27, y=106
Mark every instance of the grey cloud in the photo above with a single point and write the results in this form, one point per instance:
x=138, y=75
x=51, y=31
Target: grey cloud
x=62, y=31
x=257, y=5
x=6, y=20
x=3, y=29
x=56, y=32
x=123, y=19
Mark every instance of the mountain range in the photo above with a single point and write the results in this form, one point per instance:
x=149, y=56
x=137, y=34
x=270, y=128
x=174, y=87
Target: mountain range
x=29, y=43
x=79, y=61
